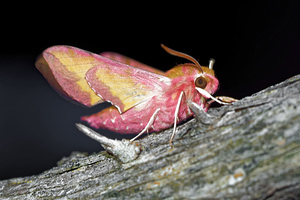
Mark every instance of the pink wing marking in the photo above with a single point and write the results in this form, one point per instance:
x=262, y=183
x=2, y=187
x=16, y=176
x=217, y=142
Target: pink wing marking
x=43, y=67
x=128, y=61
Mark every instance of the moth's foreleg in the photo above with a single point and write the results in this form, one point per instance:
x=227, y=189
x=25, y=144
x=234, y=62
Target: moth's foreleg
x=223, y=99
x=150, y=122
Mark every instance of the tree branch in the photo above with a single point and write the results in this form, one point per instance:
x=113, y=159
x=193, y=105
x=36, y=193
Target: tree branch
x=248, y=150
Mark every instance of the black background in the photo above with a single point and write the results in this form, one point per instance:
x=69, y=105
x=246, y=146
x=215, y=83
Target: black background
x=255, y=45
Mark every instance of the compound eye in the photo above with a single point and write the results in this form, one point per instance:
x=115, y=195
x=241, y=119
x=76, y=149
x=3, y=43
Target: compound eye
x=201, y=82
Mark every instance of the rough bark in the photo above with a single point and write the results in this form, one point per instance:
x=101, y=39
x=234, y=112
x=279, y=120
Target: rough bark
x=248, y=150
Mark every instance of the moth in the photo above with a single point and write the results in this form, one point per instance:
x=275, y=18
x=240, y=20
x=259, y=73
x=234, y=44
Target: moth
x=144, y=99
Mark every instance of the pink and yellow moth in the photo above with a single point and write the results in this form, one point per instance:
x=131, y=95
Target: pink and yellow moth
x=144, y=99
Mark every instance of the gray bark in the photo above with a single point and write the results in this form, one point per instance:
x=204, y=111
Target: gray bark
x=247, y=150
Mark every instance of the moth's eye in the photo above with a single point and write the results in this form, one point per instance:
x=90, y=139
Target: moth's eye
x=201, y=82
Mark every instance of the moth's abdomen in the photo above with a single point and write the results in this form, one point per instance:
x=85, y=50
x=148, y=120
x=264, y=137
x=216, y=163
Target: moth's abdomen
x=110, y=118
x=134, y=120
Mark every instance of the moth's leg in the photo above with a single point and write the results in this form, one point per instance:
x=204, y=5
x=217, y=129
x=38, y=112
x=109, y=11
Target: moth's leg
x=176, y=117
x=223, y=99
x=147, y=126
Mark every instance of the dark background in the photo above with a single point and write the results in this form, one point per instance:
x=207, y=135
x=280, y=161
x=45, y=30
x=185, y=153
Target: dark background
x=254, y=45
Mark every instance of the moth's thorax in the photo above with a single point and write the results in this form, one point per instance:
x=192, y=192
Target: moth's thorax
x=183, y=70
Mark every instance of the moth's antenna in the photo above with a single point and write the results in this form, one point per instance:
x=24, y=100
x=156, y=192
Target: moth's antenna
x=211, y=63
x=182, y=55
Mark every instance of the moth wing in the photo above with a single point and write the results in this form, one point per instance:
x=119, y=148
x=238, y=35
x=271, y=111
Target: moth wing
x=129, y=61
x=65, y=67
x=125, y=86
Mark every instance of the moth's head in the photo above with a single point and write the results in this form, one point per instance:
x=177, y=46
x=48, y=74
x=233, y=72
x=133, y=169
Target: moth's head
x=205, y=81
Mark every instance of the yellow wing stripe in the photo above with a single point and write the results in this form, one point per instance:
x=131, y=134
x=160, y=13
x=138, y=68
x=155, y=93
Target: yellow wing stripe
x=123, y=87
